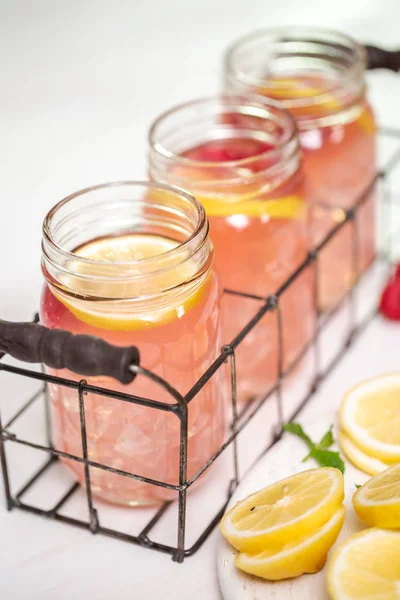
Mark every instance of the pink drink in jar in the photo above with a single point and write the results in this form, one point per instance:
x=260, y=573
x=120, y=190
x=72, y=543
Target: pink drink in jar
x=249, y=181
x=319, y=77
x=132, y=263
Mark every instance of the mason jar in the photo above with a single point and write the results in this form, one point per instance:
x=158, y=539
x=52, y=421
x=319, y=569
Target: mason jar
x=132, y=263
x=319, y=76
x=240, y=158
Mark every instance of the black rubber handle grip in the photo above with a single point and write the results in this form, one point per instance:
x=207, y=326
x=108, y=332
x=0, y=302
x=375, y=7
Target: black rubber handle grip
x=82, y=354
x=378, y=58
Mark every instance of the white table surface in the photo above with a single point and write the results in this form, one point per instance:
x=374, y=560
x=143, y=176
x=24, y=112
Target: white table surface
x=80, y=82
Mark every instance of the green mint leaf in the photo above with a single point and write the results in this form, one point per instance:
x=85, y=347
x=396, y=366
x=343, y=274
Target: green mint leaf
x=324, y=457
x=357, y=486
x=297, y=429
x=327, y=441
x=327, y=458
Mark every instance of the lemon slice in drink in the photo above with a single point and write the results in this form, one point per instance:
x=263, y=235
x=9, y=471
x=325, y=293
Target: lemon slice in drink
x=377, y=502
x=110, y=302
x=366, y=567
x=370, y=416
x=251, y=204
x=294, y=559
x=285, y=511
x=318, y=100
x=288, y=207
x=362, y=461
x=367, y=122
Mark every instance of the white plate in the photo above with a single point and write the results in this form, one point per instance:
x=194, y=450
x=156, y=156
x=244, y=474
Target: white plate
x=283, y=460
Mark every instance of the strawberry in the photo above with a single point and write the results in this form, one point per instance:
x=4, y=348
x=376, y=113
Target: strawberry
x=390, y=300
x=227, y=150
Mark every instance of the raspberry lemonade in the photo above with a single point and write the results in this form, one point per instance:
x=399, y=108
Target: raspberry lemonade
x=250, y=183
x=319, y=76
x=134, y=267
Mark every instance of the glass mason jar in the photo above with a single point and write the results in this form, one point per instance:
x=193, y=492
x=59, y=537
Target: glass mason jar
x=133, y=266
x=318, y=76
x=249, y=180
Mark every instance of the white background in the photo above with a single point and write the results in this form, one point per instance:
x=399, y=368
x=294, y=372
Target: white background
x=80, y=82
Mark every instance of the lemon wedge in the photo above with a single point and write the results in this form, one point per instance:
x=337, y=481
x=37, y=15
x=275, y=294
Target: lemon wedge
x=370, y=416
x=285, y=511
x=377, y=502
x=110, y=300
x=362, y=461
x=295, y=558
x=366, y=567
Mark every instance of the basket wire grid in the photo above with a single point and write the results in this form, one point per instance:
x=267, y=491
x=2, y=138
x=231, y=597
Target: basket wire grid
x=179, y=407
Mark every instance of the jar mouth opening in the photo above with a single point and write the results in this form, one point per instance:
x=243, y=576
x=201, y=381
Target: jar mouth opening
x=268, y=111
x=193, y=239
x=318, y=50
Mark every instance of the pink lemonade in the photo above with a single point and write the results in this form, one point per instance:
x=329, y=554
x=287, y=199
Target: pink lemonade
x=136, y=287
x=251, y=187
x=319, y=77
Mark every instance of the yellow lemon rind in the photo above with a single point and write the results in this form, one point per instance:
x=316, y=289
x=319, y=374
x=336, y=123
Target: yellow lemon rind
x=288, y=207
x=296, y=529
x=388, y=453
x=122, y=322
x=361, y=460
x=380, y=512
x=350, y=581
x=308, y=556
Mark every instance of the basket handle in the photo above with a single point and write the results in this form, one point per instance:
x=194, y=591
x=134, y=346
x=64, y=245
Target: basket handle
x=59, y=349
x=379, y=58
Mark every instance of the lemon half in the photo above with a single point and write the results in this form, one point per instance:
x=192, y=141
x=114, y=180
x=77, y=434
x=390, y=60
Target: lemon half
x=370, y=416
x=366, y=567
x=294, y=559
x=377, y=502
x=362, y=461
x=285, y=511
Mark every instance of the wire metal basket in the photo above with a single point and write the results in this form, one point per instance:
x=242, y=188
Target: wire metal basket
x=179, y=404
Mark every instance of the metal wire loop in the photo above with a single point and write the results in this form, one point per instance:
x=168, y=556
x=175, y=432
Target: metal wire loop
x=138, y=370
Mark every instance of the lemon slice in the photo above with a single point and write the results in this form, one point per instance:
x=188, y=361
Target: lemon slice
x=126, y=248
x=110, y=302
x=366, y=567
x=377, y=502
x=370, y=415
x=362, y=461
x=285, y=511
x=367, y=121
x=317, y=100
x=296, y=88
x=249, y=203
x=288, y=207
x=294, y=559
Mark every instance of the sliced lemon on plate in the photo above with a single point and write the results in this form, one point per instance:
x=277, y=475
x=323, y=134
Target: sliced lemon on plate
x=295, y=558
x=366, y=567
x=112, y=301
x=370, y=416
x=377, y=502
x=364, y=462
x=285, y=511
